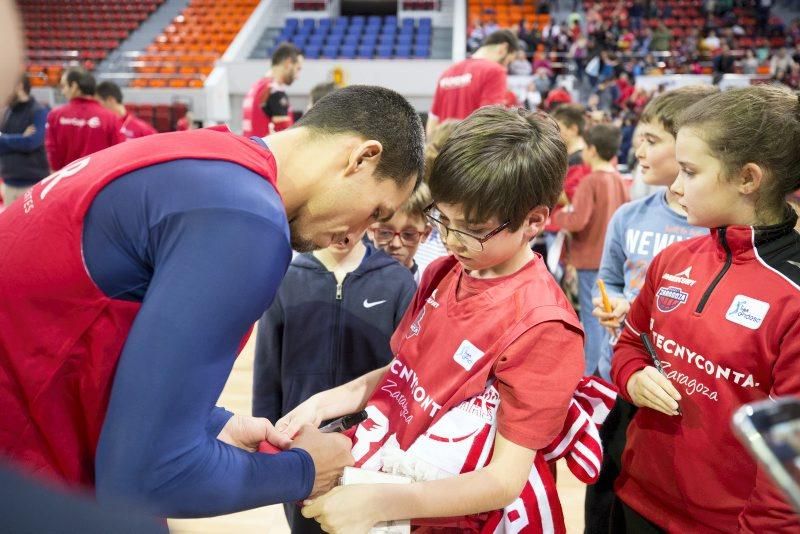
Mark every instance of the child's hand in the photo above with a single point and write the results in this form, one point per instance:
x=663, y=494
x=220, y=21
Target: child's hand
x=307, y=413
x=650, y=389
x=613, y=319
x=345, y=509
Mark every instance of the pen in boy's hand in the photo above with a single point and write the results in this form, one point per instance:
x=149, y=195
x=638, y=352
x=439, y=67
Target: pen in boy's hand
x=651, y=351
x=604, y=295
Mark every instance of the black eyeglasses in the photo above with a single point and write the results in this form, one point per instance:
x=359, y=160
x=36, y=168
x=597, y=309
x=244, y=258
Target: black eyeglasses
x=407, y=237
x=472, y=242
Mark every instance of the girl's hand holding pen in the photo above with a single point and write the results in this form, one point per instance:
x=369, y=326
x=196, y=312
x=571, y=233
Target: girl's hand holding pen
x=651, y=389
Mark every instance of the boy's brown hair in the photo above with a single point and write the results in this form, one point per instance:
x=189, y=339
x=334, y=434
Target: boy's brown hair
x=605, y=138
x=571, y=115
x=501, y=163
x=417, y=202
x=439, y=135
x=665, y=108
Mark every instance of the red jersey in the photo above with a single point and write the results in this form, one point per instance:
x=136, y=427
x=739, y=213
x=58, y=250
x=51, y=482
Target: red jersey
x=468, y=85
x=133, y=127
x=60, y=336
x=79, y=128
x=457, y=378
x=722, y=312
x=254, y=120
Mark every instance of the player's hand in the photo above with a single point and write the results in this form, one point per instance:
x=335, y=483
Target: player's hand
x=330, y=452
x=247, y=432
x=613, y=319
x=344, y=509
x=307, y=413
x=650, y=389
x=29, y=131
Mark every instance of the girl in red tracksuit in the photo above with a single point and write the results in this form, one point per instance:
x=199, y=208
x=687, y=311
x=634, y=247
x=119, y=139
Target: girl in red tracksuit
x=722, y=314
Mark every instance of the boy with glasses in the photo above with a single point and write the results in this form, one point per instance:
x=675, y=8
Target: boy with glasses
x=486, y=359
x=330, y=322
x=400, y=237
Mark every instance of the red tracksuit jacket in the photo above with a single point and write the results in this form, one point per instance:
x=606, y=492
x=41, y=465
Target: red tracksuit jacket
x=722, y=311
x=80, y=128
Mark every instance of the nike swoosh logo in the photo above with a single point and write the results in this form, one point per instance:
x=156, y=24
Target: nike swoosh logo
x=794, y=263
x=368, y=304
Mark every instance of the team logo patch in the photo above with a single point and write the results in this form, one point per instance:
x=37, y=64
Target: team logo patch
x=669, y=298
x=416, y=326
x=467, y=355
x=682, y=277
x=747, y=311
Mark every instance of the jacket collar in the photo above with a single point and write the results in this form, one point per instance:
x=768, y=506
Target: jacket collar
x=741, y=240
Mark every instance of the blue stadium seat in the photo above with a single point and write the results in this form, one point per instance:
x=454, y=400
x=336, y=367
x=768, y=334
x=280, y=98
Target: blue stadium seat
x=299, y=41
x=311, y=52
x=335, y=40
x=404, y=40
x=385, y=51
x=330, y=52
x=325, y=23
x=366, y=51
x=386, y=39
x=337, y=30
x=389, y=30
x=374, y=20
x=369, y=39
x=390, y=19
x=407, y=23
x=403, y=52
x=291, y=22
x=347, y=52
x=316, y=40
x=357, y=20
x=351, y=40
x=425, y=22
x=342, y=21
x=422, y=51
x=372, y=30
x=323, y=31
x=422, y=38
x=309, y=23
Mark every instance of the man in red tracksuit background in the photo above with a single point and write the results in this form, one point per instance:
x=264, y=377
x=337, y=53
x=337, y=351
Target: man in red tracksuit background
x=82, y=126
x=110, y=97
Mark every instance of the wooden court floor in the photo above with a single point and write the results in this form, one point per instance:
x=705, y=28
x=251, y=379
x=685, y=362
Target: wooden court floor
x=270, y=520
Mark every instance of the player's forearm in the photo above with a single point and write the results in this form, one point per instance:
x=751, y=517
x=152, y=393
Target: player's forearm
x=350, y=397
x=470, y=493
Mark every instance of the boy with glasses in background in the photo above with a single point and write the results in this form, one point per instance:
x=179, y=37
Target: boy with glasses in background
x=400, y=236
x=330, y=322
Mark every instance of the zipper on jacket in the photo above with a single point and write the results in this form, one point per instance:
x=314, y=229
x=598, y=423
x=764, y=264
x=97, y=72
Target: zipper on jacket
x=718, y=278
x=337, y=349
x=339, y=291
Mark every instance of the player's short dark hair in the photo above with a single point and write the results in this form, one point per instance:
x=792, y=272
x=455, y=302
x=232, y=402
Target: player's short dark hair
x=84, y=79
x=320, y=90
x=605, y=138
x=109, y=90
x=571, y=115
x=503, y=36
x=285, y=51
x=374, y=113
x=26, y=83
x=500, y=163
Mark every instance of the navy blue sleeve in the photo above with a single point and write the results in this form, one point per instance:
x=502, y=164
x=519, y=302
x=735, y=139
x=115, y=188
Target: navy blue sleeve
x=267, y=378
x=22, y=143
x=203, y=246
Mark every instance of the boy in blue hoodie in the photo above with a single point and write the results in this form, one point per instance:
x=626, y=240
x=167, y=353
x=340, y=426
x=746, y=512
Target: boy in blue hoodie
x=330, y=322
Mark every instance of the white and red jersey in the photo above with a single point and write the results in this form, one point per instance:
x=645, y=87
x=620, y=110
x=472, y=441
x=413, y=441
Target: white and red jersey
x=436, y=411
x=468, y=85
x=722, y=311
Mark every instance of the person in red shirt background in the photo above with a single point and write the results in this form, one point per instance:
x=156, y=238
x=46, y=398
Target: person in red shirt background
x=110, y=97
x=81, y=126
x=266, y=106
x=475, y=82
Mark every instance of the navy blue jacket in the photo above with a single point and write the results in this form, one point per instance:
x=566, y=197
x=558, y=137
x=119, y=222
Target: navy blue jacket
x=317, y=335
x=23, y=161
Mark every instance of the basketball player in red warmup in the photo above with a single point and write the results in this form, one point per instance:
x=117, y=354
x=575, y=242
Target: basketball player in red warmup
x=475, y=82
x=266, y=107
